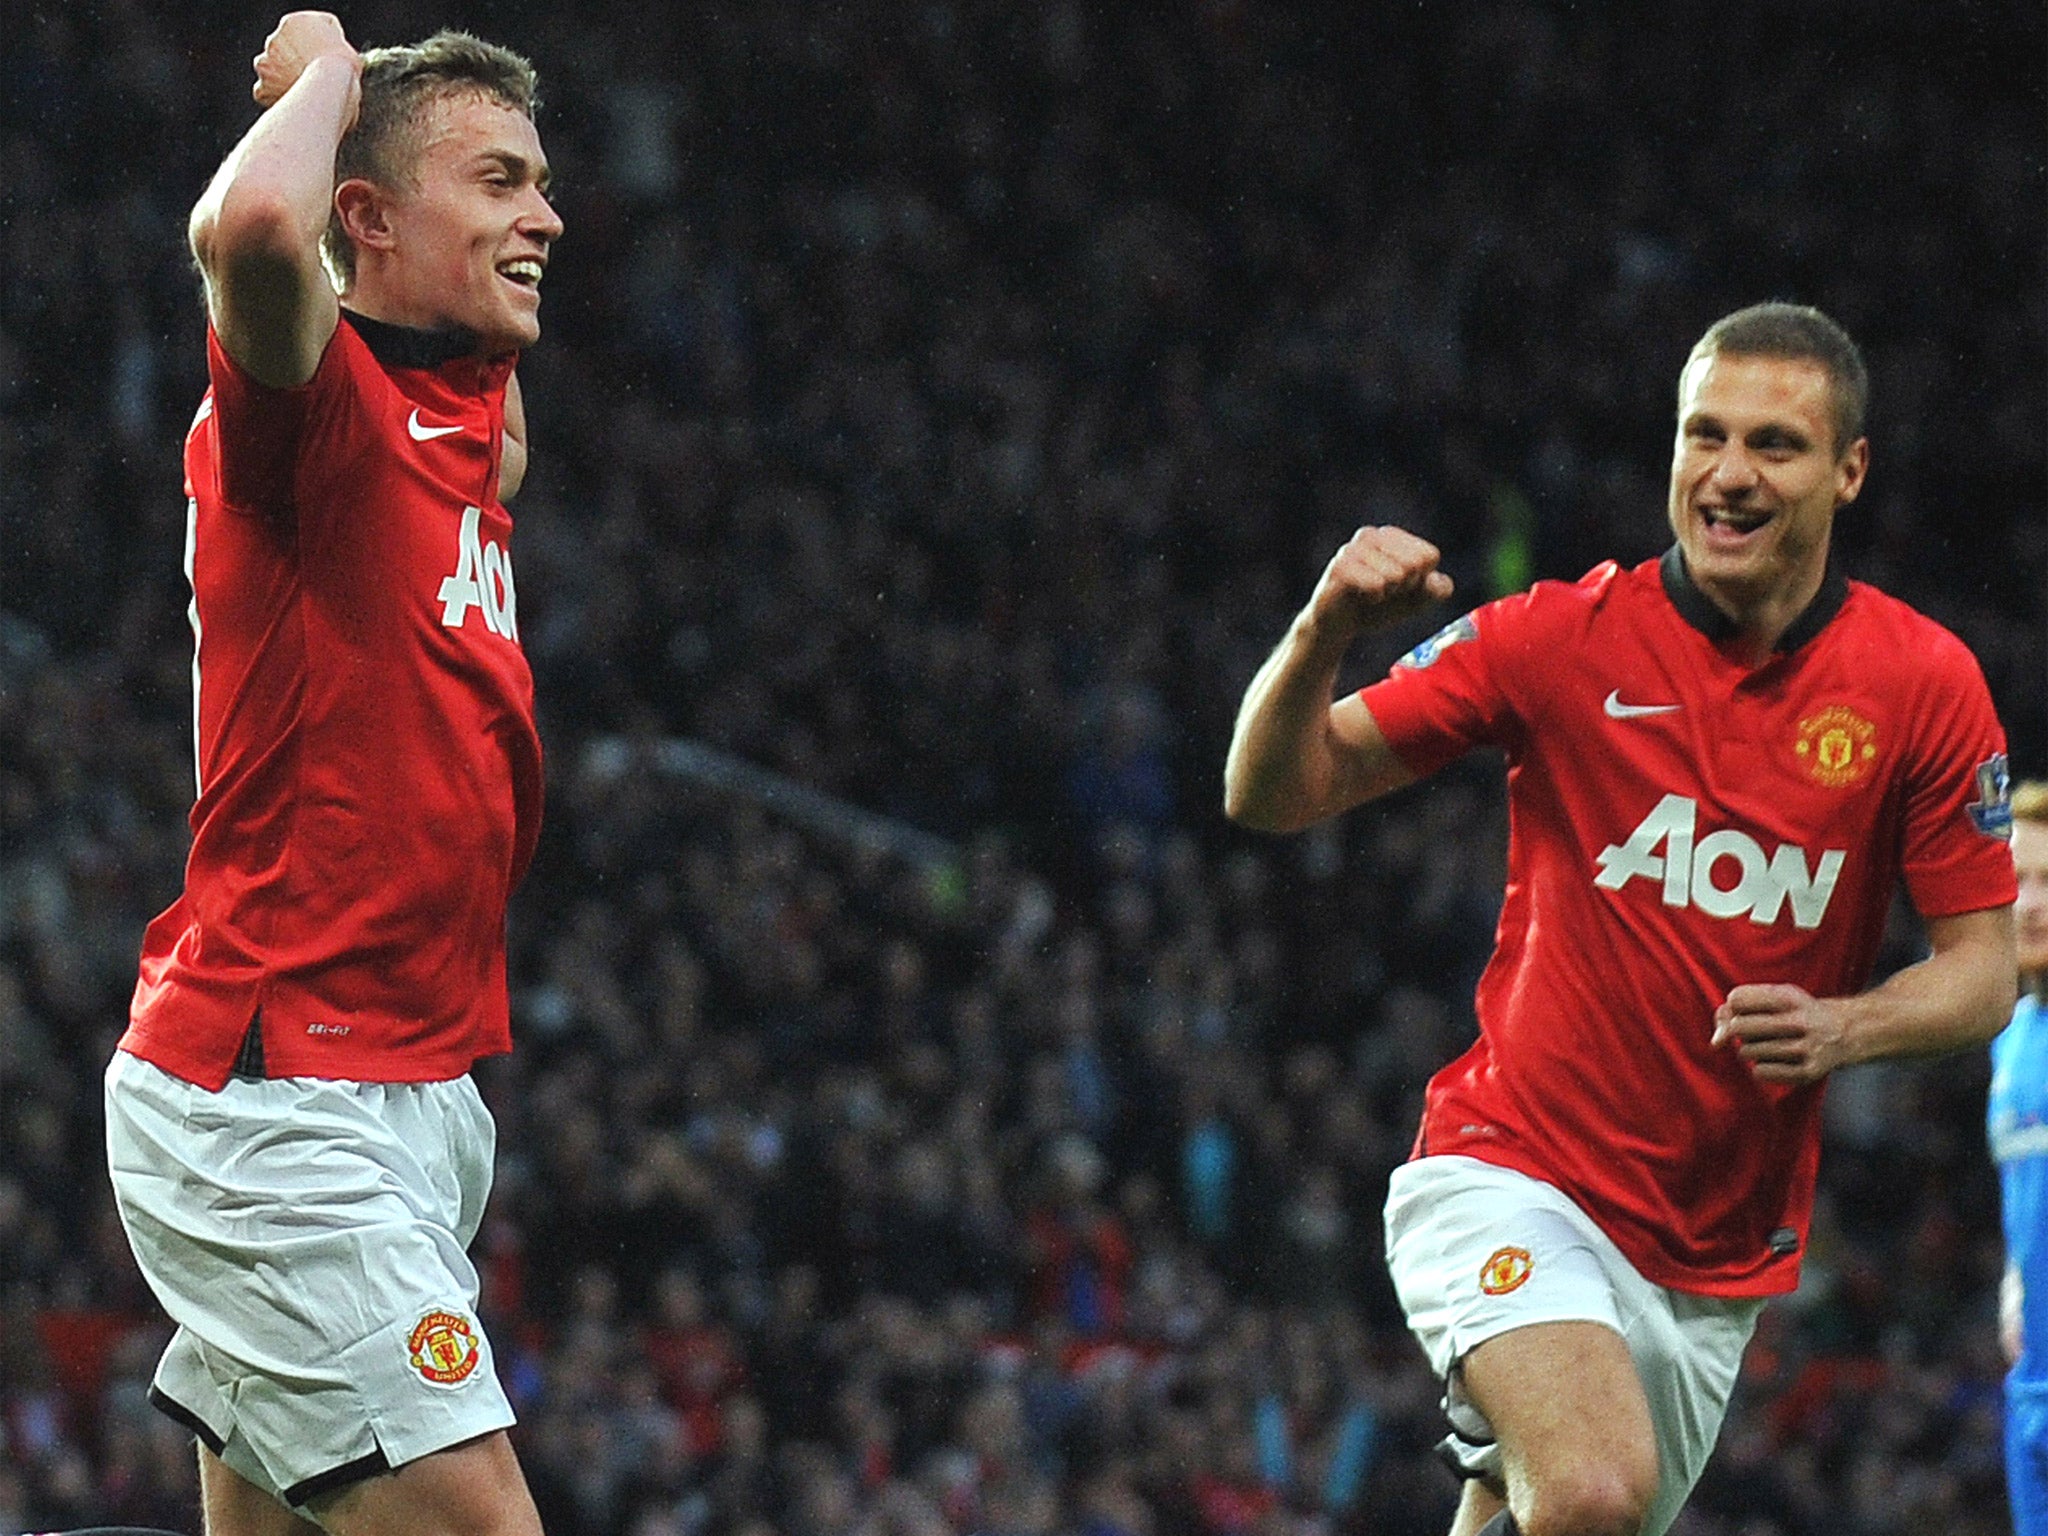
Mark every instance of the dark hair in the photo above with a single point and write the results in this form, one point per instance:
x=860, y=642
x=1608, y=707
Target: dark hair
x=398, y=85
x=1798, y=331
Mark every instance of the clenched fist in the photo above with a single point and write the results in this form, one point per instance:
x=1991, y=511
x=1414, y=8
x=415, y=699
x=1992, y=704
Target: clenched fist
x=1785, y=1033
x=300, y=38
x=1381, y=576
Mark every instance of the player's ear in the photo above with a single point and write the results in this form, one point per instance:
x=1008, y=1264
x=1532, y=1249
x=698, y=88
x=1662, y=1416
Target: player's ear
x=1850, y=470
x=365, y=219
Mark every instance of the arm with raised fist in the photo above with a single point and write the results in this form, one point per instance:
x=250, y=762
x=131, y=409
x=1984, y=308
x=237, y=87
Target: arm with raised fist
x=1296, y=757
x=256, y=230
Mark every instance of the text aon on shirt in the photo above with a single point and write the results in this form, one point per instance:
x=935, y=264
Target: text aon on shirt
x=1694, y=871
x=482, y=580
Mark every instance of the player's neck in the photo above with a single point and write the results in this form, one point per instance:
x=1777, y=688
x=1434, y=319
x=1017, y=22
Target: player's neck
x=387, y=305
x=1760, y=619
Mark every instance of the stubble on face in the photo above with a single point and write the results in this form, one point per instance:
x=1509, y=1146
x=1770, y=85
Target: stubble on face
x=1756, y=479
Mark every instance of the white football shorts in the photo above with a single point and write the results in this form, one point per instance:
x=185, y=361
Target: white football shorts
x=307, y=1237
x=1478, y=1250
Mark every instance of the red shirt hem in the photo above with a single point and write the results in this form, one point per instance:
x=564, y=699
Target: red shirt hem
x=205, y=1070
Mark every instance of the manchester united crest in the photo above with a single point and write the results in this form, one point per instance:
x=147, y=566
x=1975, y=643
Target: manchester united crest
x=444, y=1348
x=1505, y=1271
x=1837, y=746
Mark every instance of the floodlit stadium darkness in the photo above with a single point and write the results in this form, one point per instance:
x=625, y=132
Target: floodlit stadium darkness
x=943, y=406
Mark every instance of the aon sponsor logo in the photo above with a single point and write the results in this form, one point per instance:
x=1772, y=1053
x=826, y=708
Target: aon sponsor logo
x=1698, y=873
x=482, y=580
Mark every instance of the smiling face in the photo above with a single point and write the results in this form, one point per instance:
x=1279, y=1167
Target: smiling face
x=1756, y=478
x=463, y=240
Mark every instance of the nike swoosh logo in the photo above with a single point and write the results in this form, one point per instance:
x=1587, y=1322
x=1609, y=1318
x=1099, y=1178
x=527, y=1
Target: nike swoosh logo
x=422, y=433
x=1616, y=710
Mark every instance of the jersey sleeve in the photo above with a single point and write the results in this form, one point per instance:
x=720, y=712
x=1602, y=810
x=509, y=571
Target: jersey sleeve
x=1459, y=688
x=1957, y=856
x=259, y=428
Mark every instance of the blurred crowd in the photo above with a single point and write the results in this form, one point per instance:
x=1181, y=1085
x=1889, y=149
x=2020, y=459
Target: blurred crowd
x=944, y=406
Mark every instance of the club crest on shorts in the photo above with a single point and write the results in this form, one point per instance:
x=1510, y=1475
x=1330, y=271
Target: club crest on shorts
x=444, y=1348
x=1505, y=1271
x=1837, y=746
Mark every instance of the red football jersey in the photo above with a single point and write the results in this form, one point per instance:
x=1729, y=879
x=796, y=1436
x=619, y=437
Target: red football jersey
x=1681, y=823
x=369, y=771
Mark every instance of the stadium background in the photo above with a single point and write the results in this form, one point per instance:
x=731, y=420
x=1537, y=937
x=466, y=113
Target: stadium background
x=943, y=406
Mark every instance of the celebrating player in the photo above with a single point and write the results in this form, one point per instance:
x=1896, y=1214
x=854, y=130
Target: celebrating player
x=1721, y=763
x=297, y=1150
x=2019, y=1145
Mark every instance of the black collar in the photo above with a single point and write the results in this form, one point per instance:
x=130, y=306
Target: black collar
x=405, y=346
x=1698, y=610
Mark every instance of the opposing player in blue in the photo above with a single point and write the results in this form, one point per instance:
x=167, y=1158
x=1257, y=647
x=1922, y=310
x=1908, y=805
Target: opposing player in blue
x=2019, y=1145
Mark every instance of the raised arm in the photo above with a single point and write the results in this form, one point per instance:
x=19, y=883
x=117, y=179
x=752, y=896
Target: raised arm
x=1295, y=757
x=257, y=228
x=1960, y=995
